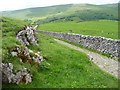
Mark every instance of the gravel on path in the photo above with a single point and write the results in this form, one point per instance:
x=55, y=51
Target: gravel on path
x=107, y=64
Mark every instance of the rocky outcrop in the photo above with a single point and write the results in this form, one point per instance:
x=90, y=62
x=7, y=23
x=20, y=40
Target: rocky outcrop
x=27, y=36
x=104, y=45
x=23, y=75
x=26, y=55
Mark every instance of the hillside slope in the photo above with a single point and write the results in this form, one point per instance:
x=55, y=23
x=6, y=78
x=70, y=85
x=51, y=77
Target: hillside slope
x=62, y=67
x=67, y=12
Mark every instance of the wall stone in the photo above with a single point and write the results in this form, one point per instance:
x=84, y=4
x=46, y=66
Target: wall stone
x=102, y=44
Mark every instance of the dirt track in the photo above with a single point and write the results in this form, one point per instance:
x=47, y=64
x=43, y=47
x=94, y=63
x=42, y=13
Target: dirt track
x=107, y=64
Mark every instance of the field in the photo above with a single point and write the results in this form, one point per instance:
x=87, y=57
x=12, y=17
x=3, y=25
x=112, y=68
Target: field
x=62, y=67
x=105, y=28
x=65, y=67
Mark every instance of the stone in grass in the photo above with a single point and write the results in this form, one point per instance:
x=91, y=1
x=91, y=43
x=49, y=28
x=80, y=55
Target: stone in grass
x=26, y=55
x=27, y=36
x=22, y=76
x=37, y=57
x=9, y=77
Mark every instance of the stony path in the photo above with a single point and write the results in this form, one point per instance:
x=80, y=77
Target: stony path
x=107, y=64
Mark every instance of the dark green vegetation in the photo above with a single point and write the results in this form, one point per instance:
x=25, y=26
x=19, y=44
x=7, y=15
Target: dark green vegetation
x=62, y=67
x=105, y=28
x=70, y=12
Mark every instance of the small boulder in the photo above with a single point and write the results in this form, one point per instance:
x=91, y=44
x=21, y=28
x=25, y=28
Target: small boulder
x=9, y=77
x=27, y=36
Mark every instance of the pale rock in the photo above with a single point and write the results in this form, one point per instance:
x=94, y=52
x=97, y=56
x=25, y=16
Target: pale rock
x=9, y=77
x=27, y=36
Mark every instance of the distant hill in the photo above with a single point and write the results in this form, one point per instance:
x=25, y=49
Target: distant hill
x=69, y=12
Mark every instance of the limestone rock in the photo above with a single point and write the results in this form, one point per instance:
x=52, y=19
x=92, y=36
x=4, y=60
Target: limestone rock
x=9, y=77
x=26, y=55
x=7, y=73
x=27, y=36
x=37, y=57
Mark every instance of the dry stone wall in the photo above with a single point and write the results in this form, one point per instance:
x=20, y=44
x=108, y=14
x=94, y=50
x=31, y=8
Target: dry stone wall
x=102, y=44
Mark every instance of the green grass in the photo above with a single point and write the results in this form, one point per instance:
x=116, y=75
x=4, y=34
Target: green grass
x=63, y=67
x=9, y=30
x=105, y=28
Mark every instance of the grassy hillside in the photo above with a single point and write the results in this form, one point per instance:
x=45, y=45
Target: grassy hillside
x=66, y=68
x=105, y=28
x=62, y=67
x=70, y=12
x=9, y=30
